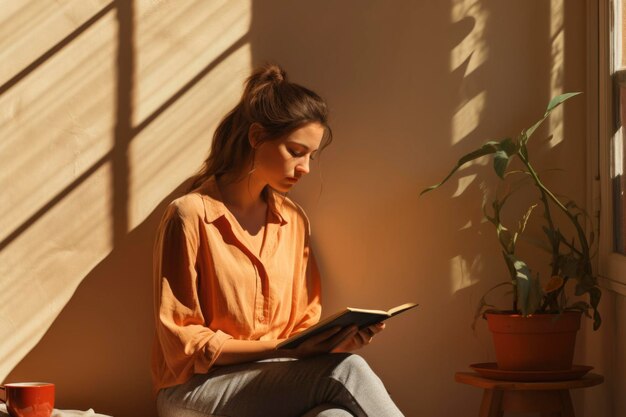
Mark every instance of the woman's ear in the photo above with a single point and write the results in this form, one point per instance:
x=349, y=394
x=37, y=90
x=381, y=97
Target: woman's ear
x=255, y=134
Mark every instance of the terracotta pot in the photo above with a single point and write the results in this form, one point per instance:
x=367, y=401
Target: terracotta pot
x=540, y=342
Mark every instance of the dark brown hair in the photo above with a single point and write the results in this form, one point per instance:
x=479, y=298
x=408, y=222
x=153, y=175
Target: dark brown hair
x=277, y=105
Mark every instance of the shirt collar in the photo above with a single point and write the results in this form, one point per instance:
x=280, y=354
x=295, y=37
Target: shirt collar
x=215, y=208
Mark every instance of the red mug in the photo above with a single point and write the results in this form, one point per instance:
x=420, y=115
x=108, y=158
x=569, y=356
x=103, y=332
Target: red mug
x=29, y=399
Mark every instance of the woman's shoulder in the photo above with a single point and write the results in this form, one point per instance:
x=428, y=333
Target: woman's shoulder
x=187, y=207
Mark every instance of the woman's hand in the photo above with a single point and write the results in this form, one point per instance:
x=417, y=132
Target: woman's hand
x=335, y=340
x=361, y=338
x=322, y=343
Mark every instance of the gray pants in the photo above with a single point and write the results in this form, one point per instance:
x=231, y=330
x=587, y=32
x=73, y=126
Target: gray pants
x=333, y=385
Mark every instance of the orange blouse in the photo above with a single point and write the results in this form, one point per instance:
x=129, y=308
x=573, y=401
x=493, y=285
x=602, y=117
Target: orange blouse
x=210, y=287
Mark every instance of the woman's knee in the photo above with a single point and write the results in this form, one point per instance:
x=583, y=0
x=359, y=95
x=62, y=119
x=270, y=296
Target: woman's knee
x=352, y=364
x=353, y=367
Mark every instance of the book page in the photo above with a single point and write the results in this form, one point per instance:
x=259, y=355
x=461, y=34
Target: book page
x=402, y=308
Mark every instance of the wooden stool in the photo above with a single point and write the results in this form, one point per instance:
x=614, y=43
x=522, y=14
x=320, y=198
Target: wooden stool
x=551, y=399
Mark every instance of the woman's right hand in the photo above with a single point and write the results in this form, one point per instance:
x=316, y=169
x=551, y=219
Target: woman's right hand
x=323, y=342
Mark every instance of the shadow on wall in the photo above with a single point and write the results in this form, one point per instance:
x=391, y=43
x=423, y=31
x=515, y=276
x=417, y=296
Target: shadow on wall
x=97, y=351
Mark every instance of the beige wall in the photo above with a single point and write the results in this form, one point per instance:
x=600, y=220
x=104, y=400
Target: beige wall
x=103, y=120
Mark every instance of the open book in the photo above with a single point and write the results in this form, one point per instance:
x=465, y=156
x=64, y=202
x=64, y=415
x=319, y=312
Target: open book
x=348, y=317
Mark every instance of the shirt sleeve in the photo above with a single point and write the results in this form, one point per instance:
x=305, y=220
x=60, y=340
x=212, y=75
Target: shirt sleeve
x=188, y=346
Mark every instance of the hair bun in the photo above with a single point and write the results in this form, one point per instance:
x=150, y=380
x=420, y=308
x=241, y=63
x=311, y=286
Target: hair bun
x=263, y=80
x=273, y=73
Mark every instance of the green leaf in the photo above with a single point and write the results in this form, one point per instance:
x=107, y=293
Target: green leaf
x=594, y=296
x=594, y=299
x=597, y=320
x=522, y=282
x=524, y=221
x=487, y=149
x=556, y=101
x=500, y=162
x=587, y=283
x=509, y=146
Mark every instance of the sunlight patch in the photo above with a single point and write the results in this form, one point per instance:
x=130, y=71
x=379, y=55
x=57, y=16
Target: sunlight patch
x=473, y=46
x=467, y=118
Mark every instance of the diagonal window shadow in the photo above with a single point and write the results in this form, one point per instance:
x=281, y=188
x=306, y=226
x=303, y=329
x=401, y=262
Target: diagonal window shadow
x=191, y=83
x=55, y=49
x=124, y=131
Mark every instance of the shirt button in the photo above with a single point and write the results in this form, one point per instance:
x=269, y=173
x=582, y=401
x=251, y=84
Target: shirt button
x=261, y=319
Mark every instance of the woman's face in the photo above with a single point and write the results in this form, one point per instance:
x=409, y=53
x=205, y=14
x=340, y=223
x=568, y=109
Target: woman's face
x=282, y=162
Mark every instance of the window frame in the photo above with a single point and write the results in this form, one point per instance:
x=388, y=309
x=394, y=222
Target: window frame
x=601, y=17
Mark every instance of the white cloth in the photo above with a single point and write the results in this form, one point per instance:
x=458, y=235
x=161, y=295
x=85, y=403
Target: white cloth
x=60, y=413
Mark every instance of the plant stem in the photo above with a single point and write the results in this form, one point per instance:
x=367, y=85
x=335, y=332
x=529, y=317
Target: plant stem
x=582, y=238
x=554, y=236
x=554, y=240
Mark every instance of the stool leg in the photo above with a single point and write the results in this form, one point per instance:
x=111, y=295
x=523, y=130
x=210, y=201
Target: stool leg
x=491, y=405
x=566, y=404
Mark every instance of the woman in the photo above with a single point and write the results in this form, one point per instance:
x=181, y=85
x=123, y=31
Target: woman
x=234, y=276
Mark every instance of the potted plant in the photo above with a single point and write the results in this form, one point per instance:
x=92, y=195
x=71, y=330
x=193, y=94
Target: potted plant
x=541, y=303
